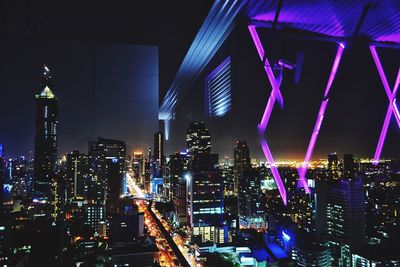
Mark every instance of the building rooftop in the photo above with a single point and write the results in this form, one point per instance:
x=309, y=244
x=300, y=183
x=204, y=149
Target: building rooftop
x=46, y=93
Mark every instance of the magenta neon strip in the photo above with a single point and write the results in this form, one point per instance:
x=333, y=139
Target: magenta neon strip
x=392, y=108
x=267, y=66
x=303, y=169
x=267, y=113
x=334, y=68
x=274, y=169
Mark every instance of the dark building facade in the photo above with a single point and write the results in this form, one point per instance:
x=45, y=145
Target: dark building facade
x=198, y=139
x=348, y=166
x=241, y=157
x=46, y=137
x=333, y=166
x=345, y=219
x=76, y=174
x=107, y=168
x=206, y=206
x=251, y=199
x=158, y=156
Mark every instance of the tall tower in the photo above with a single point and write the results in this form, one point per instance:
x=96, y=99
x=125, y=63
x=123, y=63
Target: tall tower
x=158, y=154
x=46, y=137
x=333, y=166
x=198, y=142
x=348, y=166
x=241, y=156
x=107, y=167
x=198, y=139
x=345, y=219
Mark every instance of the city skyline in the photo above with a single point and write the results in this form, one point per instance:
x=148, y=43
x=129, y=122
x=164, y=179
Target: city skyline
x=200, y=133
x=352, y=125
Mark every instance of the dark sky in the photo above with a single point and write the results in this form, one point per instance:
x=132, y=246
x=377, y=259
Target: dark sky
x=353, y=120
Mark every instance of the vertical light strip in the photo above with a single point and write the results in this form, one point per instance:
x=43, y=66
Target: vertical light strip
x=267, y=113
x=267, y=66
x=392, y=108
x=303, y=169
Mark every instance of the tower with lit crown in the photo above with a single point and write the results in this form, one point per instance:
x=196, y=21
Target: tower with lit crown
x=46, y=137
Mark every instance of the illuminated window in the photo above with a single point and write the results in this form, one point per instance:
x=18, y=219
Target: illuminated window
x=218, y=90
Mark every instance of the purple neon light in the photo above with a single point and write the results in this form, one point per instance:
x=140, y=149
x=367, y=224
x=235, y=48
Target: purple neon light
x=267, y=113
x=303, y=169
x=267, y=66
x=334, y=68
x=274, y=169
x=392, y=108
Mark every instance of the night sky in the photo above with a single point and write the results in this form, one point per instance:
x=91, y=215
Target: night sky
x=353, y=119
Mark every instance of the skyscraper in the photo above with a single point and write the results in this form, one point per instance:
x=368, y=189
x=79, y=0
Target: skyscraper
x=206, y=206
x=1, y=179
x=138, y=167
x=198, y=139
x=348, y=166
x=345, y=219
x=108, y=167
x=158, y=156
x=333, y=166
x=198, y=142
x=46, y=136
x=178, y=167
x=251, y=199
x=76, y=168
x=242, y=163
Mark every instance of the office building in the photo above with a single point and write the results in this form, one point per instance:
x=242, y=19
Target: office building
x=333, y=166
x=138, y=167
x=345, y=219
x=180, y=201
x=46, y=137
x=107, y=167
x=158, y=156
x=348, y=166
x=127, y=227
x=1, y=179
x=376, y=255
x=312, y=254
x=251, y=200
x=206, y=207
x=76, y=171
x=241, y=157
x=198, y=139
x=94, y=216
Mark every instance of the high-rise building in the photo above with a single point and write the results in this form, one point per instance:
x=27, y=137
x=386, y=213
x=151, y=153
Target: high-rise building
x=333, y=166
x=178, y=166
x=46, y=137
x=345, y=219
x=107, y=166
x=1, y=179
x=94, y=216
x=206, y=206
x=242, y=163
x=198, y=139
x=128, y=225
x=138, y=167
x=251, y=200
x=310, y=254
x=348, y=166
x=76, y=171
x=376, y=255
x=158, y=156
